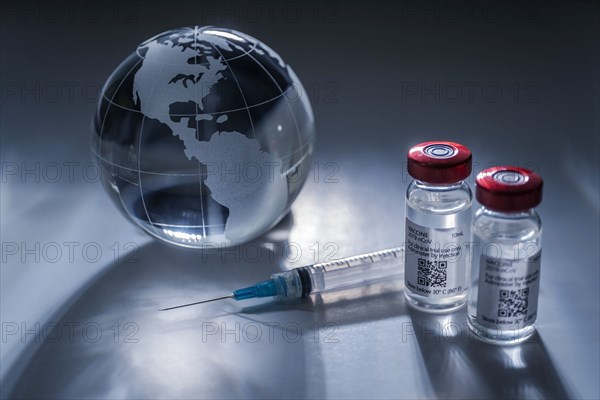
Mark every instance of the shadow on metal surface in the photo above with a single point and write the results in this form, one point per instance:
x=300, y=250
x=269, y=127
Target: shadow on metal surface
x=461, y=366
x=112, y=342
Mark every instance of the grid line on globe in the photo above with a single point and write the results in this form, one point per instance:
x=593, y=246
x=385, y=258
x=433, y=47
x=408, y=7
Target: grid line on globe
x=204, y=136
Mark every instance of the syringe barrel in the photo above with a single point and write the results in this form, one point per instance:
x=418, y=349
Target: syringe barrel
x=358, y=270
x=339, y=274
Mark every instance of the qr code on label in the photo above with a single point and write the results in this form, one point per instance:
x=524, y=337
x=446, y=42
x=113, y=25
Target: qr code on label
x=513, y=303
x=431, y=273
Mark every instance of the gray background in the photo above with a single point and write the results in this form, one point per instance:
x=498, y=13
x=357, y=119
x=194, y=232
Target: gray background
x=382, y=76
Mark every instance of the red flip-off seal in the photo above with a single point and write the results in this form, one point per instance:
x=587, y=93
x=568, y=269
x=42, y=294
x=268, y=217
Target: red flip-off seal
x=509, y=189
x=439, y=162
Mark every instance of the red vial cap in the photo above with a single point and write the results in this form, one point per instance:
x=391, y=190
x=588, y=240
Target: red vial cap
x=439, y=162
x=508, y=189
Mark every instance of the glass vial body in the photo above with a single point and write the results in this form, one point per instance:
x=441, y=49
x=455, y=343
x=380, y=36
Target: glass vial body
x=438, y=221
x=505, y=275
x=507, y=244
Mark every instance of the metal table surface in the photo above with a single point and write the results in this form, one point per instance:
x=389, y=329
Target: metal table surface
x=80, y=286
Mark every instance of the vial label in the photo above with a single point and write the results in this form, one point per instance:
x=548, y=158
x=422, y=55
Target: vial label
x=436, y=259
x=508, y=292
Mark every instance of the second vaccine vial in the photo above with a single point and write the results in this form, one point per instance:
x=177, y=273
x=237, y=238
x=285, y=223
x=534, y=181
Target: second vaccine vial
x=438, y=221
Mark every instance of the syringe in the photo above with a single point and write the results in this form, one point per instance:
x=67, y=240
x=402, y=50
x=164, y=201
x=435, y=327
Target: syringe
x=327, y=276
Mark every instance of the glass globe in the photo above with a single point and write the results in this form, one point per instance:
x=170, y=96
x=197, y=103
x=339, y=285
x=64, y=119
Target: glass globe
x=204, y=137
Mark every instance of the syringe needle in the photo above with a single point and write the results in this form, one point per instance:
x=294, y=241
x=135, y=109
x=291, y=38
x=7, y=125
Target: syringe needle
x=198, y=302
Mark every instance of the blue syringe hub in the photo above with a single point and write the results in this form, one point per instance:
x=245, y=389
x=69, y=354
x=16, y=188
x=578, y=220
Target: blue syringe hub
x=261, y=289
x=289, y=284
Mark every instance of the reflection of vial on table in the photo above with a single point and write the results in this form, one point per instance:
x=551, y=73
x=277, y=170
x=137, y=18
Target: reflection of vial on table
x=505, y=274
x=438, y=221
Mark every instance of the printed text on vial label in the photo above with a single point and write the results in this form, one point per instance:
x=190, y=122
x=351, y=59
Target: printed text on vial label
x=436, y=260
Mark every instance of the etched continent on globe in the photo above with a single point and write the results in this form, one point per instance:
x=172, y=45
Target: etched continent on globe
x=182, y=80
x=238, y=111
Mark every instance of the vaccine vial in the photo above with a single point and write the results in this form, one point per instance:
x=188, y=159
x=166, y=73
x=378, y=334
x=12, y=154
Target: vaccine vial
x=438, y=222
x=505, y=274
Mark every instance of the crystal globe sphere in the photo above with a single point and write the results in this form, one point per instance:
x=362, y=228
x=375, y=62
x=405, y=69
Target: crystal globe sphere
x=203, y=136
